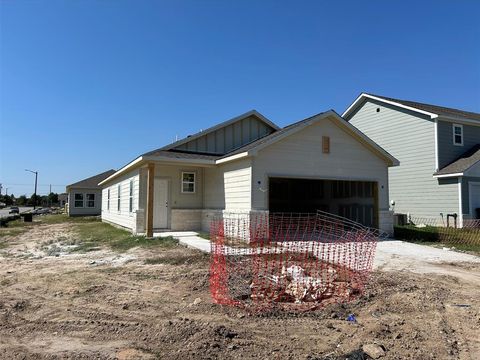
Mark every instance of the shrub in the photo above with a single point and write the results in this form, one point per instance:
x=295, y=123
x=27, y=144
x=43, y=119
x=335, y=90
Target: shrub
x=411, y=232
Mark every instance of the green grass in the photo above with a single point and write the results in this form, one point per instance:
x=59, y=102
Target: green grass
x=469, y=248
x=13, y=228
x=97, y=234
x=204, y=235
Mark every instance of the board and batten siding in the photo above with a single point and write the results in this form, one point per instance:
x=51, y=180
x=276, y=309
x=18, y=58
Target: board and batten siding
x=447, y=151
x=228, y=186
x=122, y=217
x=300, y=156
x=228, y=138
x=411, y=139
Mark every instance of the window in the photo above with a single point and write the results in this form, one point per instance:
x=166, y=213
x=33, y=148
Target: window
x=108, y=199
x=130, y=204
x=90, y=200
x=457, y=135
x=118, y=197
x=188, y=182
x=78, y=200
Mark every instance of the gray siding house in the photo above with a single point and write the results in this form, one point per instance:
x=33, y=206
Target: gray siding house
x=249, y=165
x=438, y=149
x=84, y=198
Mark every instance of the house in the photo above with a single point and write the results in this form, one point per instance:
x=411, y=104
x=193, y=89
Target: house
x=85, y=196
x=438, y=149
x=248, y=165
x=62, y=199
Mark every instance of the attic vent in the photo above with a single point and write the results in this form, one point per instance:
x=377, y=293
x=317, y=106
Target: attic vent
x=378, y=109
x=326, y=144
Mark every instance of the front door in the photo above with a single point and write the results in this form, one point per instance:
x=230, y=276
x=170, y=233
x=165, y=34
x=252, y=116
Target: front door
x=474, y=199
x=160, y=206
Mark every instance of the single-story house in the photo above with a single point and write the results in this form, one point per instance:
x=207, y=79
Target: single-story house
x=439, y=152
x=85, y=196
x=248, y=164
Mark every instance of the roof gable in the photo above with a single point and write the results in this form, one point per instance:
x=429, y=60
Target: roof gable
x=433, y=111
x=462, y=164
x=92, y=182
x=226, y=136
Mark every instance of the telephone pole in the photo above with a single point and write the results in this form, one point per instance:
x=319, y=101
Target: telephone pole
x=35, y=194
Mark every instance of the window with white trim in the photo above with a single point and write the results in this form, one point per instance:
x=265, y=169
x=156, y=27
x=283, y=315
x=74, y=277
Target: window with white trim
x=90, y=200
x=457, y=134
x=108, y=199
x=130, y=200
x=78, y=203
x=188, y=182
x=119, y=188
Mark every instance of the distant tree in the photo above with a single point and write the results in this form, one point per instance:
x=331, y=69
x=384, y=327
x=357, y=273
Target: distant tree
x=22, y=200
x=52, y=198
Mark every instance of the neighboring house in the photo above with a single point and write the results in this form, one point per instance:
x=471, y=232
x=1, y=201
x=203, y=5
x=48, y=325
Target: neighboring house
x=62, y=199
x=249, y=165
x=85, y=196
x=438, y=149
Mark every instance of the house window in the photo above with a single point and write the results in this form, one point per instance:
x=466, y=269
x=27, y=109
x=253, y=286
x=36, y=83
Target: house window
x=108, y=199
x=78, y=200
x=118, y=197
x=90, y=200
x=130, y=204
x=188, y=182
x=457, y=135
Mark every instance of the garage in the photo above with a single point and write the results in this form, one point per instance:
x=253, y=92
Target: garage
x=355, y=200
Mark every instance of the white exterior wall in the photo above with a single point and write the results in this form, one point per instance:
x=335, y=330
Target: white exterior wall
x=122, y=217
x=300, y=156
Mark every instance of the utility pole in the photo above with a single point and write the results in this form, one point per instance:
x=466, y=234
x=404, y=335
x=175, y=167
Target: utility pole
x=35, y=195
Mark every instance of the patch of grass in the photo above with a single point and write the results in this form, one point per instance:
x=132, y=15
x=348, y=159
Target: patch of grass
x=4, y=232
x=96, y=234
x=64, y=218
x=469, y=248
x=178, y=259
x=204, y=235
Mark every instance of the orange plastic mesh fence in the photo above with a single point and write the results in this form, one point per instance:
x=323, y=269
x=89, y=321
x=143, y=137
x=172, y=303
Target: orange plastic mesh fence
x=294, y=262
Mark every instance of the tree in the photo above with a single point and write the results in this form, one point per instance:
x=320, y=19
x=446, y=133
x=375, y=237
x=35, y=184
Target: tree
x=52, y=198
x=22, y=200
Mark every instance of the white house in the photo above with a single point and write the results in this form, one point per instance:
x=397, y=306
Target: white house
x=85, y=196
x=248, y=164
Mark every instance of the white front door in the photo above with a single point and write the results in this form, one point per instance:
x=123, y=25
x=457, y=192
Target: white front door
x=160, y=204
x=474, y=190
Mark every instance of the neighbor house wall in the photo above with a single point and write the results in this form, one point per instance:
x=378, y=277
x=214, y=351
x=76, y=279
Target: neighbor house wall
x=447, y=151
x=84, y=211
x=122, y=216
x=411, y=139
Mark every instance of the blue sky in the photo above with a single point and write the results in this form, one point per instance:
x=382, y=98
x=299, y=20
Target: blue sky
x=86, y=86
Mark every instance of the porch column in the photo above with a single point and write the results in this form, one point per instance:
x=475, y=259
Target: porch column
x=150, y=195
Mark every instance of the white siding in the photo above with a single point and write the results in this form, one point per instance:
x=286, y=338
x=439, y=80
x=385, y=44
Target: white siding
x=238, y=189
x=411, y=139
x=122, y=217
x=300, y=156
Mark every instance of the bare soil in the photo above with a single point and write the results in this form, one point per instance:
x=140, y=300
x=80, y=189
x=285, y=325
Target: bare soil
x=55, y=304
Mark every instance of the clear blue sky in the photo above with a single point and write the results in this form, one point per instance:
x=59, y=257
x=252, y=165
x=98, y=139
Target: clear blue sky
x=88, y=85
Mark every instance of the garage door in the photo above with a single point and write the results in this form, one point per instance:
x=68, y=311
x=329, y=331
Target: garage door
x=355, y=200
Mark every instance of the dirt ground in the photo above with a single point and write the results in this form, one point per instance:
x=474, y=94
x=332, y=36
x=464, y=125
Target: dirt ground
x=55, y=304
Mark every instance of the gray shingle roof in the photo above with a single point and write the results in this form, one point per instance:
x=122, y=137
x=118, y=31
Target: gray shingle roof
x=439, y=110
x=177, y=154
x=92, y=182
x=463, y=163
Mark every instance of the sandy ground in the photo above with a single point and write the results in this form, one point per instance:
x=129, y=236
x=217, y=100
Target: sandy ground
x=105, y=305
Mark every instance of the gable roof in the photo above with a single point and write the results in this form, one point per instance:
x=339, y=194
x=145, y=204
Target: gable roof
x=93, y=181
x=433, y=111
x=462, y=163
x=219, y=126
x=169, y=154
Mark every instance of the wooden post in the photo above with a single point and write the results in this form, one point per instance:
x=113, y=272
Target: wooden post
x=150, y=198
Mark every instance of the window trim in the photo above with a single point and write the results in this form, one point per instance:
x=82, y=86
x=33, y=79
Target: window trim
x=75, y=200
x=188, y=182
x=459, y=126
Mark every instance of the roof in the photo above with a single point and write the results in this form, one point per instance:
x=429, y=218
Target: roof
x=93, y=181
x=463, y=163
x=221, y=125
x=247, y=149
x=431, y=110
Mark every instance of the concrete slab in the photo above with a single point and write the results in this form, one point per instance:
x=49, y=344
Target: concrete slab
x=187, y=238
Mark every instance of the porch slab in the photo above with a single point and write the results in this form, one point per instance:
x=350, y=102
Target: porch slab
x=187, y=238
